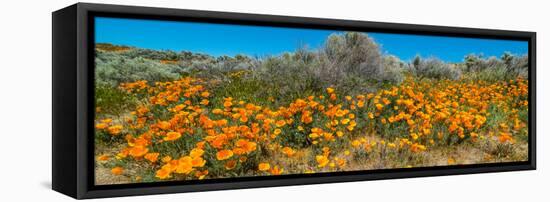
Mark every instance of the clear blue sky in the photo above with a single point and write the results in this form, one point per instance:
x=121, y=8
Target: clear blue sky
x=220, y=39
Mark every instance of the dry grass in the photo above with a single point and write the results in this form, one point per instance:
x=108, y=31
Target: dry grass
x=475, y=153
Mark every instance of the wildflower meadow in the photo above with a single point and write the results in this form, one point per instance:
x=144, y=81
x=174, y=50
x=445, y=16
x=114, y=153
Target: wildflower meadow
x=163, y=115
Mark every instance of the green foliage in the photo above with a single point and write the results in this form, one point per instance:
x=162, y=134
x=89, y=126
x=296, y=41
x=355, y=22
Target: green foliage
x=492, y=69
x=113, y=69
x=111, y=100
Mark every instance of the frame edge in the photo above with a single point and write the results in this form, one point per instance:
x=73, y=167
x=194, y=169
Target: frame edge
x=84, y=191
x=64, y=145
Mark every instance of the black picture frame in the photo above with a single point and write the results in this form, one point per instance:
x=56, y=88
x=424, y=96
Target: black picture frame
x=73, y=105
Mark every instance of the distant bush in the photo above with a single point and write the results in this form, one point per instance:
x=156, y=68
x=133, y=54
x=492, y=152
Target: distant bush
x=506, y=67
x=289, y=76
x=393, y=69
x=113, y=69
x=347, y=56
x=153, y=54
x=435, y=69
x=516, y=65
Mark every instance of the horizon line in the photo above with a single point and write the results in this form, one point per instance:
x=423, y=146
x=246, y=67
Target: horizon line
x=481, y=55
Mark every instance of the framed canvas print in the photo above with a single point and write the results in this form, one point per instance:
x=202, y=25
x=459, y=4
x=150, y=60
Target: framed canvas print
x=154, y=100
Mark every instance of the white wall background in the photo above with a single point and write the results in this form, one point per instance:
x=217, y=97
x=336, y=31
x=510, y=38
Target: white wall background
x=25, y=99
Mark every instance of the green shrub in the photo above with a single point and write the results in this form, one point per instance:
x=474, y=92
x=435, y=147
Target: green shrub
x=350, y=54
x=435, y=69
x=495, y=69
x=393, y=70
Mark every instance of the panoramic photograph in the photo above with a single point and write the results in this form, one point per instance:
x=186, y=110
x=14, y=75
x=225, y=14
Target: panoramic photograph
x=177, y=101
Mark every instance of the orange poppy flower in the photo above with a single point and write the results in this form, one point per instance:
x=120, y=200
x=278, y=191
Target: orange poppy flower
x=263, y=166
x=217, y=111
x=280, y=123
x=330, y=90
x=200, y=145
x=276, y=170
x=196, y=152
x=371, y=115
x=103, y=157
x=450, y=161
x=224, y=154
x=163, y=173
x=322, y=160
x=114, y=130
x=153, y=157
x=138, y=151
x=341, y=163
x=101, y=126
x=230, y=164
x=333, y=96
x=164, y=125
x=117, y=170
x=201, y=174
x=107, y=121
x=171, y=136
x=238, y=151
x=242, y=159
x=288, y=151
x=122, y=154
x=505, y=137
x=198, y=162
x=227, y=104
x=184, y=165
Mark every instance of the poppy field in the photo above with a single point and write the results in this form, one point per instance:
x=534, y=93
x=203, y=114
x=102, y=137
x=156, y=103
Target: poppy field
x=187, y=116
x=182, y=131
